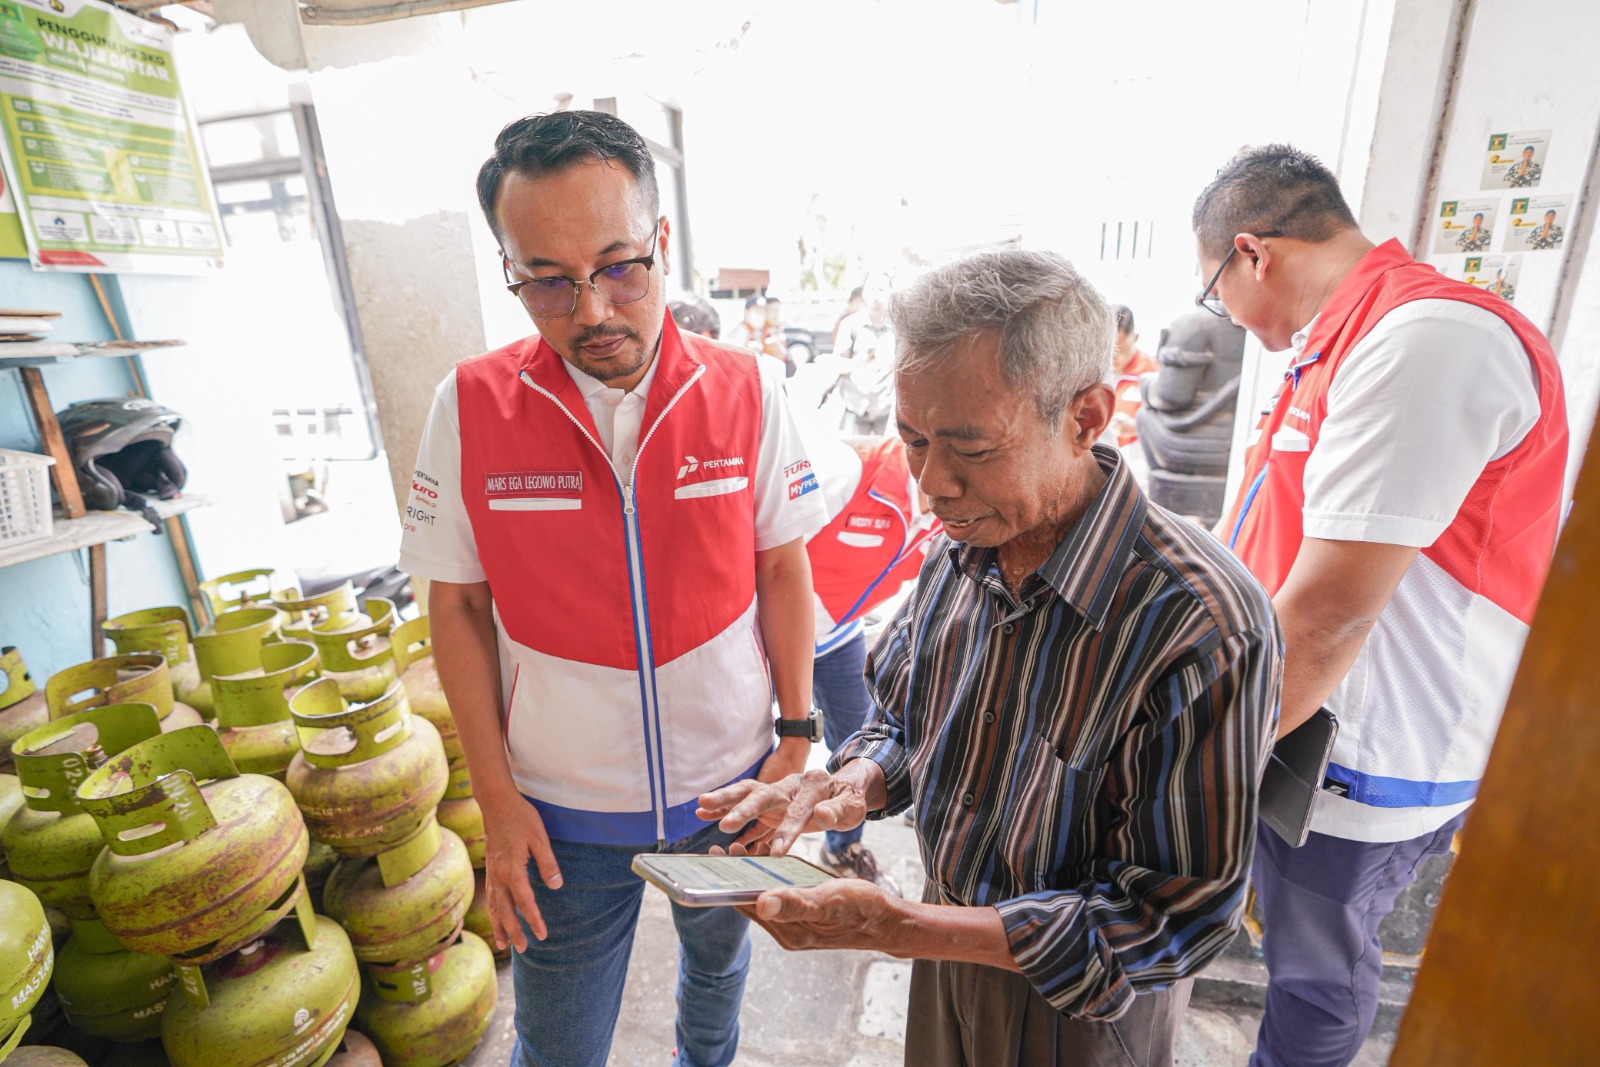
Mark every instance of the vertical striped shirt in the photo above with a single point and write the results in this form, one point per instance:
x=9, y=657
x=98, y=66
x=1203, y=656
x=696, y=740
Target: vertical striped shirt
x=1084, y=756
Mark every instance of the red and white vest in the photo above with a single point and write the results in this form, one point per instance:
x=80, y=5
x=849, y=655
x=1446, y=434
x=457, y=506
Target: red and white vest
x=630, y=651
x=872, y=547
x=1415, y=728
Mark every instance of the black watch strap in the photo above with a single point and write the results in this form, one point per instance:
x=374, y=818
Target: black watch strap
x=808, y=727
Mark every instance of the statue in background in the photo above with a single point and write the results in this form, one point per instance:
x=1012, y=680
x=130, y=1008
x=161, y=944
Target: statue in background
x=1186, y=422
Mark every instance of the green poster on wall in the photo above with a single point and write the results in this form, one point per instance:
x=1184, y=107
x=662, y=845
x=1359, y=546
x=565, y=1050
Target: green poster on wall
x=12, y=244
x=99, y=153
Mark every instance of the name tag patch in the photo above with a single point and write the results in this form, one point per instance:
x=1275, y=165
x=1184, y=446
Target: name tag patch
x=533, y=483
x=801, y=486
x=866, y=522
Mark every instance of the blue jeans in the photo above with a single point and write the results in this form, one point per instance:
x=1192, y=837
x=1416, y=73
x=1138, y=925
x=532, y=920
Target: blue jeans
x=1320, y=909
x=839, y=686
x=569, y=986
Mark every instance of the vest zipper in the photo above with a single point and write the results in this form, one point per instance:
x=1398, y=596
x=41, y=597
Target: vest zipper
x=636, y=591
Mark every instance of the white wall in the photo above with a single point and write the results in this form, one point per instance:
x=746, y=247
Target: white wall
x=1446, y=86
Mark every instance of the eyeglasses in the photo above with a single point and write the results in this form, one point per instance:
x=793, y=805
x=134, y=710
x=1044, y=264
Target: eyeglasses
x=556, y=297
x=1212, y=301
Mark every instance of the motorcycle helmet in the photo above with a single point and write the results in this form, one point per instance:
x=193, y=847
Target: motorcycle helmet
x=122, y=450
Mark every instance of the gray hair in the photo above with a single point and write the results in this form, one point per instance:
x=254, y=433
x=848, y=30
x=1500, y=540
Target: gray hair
x=1056, y=331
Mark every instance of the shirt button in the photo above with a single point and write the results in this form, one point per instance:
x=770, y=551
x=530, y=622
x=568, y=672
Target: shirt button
x=988, y=716
x=966, y=798
x=1009, y=628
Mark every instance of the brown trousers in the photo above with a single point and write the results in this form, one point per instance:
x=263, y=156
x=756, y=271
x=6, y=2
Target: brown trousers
x=967, y=1015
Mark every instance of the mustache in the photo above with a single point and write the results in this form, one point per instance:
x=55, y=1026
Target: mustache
x=600, y=333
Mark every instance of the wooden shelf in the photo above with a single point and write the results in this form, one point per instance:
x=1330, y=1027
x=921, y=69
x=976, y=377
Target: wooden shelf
x=96, y=528
x=49, y=353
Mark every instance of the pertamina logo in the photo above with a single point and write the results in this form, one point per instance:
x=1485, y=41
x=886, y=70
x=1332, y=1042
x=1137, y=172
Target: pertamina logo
x=691, y=465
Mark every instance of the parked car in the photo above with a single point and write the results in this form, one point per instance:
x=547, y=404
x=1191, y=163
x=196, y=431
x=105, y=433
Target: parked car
x=805, y=345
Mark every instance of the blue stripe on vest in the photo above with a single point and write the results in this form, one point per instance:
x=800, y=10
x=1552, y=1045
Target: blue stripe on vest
x=633, y=828
x=1380, y=792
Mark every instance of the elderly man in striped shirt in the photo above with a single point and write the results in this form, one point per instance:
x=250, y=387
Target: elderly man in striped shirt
x=1079, y=699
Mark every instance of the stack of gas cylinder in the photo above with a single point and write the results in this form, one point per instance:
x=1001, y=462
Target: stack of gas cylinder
x=191, y=858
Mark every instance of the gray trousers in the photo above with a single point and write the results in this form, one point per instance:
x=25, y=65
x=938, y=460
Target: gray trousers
x=968, y=1015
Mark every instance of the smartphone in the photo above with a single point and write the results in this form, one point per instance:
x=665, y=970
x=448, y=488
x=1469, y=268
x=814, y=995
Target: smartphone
x=700, y=881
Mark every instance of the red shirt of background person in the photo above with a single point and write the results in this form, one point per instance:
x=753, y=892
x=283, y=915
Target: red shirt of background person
x=1127, y=365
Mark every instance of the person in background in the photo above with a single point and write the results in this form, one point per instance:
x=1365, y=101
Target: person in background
x=1400, y=501
x=877, y=536
x=1079, y=696
x=612, y=515
x=1127, y=364
x=754, y=333
x=864, y=355
x=856, y=304
x=695, y=314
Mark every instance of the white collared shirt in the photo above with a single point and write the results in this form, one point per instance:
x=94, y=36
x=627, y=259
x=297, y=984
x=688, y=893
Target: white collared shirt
x=618, y=415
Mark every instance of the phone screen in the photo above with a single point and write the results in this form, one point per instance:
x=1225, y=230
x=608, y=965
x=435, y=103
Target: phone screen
x=695, y=874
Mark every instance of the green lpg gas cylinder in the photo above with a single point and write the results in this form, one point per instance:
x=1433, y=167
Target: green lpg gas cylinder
x=334, y=610
x=22, y=703
x=51, y=843
x=26, y=957
x=274, y=1003
x=454, y=998
x=320, y=862
x=368, y=777
x=137, y=678
x=241, y=589
x=413, y=657
x=44, y=1056
x=458, y=811
x=10, y=803
x=199, y=858
x=107, y=991
x=356, y=1050
x=253, y=708
x=478, y=919
x=360, y=658
x=165, y=631
x=232, y=645
x=408, y=909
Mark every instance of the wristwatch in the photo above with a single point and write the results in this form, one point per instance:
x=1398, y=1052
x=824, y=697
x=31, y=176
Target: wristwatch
x=810, y=727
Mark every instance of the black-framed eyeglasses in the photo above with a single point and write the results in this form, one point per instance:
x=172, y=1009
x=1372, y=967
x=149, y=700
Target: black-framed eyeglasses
x=556, y=297
x=1209, y=299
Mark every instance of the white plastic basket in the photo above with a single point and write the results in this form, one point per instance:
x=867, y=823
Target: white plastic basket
x=24, y=497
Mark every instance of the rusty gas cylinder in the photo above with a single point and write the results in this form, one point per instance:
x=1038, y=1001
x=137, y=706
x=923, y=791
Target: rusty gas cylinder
x=360, y=658
x=51, y=843
x=367, y=777
x=22, y=703
x=253, y=708
x=405, y=910
x=164, y=631
x=232, y=645
x=434, y=1013
x=27, y=956
x=459, y=811
x=135, y=678
x=199, y=858
x=283, y=1000
x=333, y=610
x=413, y=656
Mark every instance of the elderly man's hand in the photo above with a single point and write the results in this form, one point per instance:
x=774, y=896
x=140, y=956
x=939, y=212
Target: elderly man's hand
x=785, y=809
x=845, y=913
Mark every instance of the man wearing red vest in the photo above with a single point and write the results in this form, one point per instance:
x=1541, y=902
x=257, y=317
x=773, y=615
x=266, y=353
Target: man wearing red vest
x=1400, y=501
x=613, y=519
x=876, y=539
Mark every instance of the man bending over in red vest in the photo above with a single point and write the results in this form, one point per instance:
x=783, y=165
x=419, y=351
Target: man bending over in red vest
x=1400, y=502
